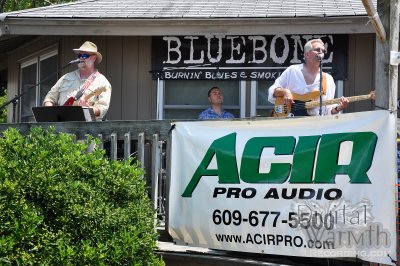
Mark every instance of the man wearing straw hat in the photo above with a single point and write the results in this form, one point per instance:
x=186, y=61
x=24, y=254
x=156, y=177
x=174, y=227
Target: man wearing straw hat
x=84, y=86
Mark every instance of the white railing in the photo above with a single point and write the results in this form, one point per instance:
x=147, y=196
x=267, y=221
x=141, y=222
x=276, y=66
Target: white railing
x=145, y=141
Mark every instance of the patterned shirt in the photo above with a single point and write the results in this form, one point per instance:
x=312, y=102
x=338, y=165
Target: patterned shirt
x=210, y=114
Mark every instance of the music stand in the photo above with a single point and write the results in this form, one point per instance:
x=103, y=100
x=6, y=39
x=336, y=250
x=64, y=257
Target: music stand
x=62, y=113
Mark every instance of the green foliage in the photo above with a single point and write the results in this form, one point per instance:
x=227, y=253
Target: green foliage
x=60, y=205
x=3, y=112
x=13, y=5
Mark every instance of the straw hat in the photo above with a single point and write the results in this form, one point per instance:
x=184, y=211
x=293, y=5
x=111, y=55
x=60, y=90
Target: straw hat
x=90, y=48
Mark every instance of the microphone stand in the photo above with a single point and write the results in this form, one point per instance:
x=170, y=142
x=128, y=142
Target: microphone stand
x=15, y=100
x=320, y=84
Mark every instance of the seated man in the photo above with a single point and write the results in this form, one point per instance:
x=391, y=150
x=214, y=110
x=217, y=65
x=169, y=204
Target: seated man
x=215, y=111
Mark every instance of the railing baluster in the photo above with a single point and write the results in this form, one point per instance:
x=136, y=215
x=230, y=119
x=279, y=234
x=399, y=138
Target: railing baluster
x=101, y=144
x=91, y=145
x=161, y=180
x=168, y=179
x=113, y=149
x=127, y=145
x=110, y=131
x=155, y=162
x=140, y=150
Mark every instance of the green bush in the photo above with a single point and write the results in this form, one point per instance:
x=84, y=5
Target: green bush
x=60, y=205
x=3, y=112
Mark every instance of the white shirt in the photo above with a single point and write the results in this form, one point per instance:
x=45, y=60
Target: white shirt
x=292, y=78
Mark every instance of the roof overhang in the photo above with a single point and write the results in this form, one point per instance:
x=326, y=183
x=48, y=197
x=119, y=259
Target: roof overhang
x=10, y=42
x=187, y=26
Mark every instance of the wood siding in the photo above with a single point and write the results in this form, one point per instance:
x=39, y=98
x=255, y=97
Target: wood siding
x=127, y=62
x=361, y=70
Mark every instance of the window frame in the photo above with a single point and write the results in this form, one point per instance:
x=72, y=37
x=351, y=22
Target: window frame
x=161, y=106
x=37, y=58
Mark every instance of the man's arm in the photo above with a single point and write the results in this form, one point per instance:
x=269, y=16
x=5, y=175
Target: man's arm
x=279, y=92
x=53, y=95
x=96, y=111
x=341, y=106
x=277, y=89
x=286, y=94
x=102, y=104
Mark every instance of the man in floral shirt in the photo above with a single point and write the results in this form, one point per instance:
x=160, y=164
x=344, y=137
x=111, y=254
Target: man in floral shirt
x=215, y=111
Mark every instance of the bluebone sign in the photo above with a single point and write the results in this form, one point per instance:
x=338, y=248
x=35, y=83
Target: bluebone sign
x=261, y=57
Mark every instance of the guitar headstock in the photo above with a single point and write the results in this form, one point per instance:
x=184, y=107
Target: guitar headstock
x=99, y=91
x=96, y=92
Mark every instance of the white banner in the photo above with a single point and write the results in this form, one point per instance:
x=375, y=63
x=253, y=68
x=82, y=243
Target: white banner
x=312, y=187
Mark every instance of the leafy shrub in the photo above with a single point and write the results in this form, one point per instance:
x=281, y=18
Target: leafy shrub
x=3, y=112
x=60, y=205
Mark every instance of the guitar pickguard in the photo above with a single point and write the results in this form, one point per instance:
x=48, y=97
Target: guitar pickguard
x=298, y=109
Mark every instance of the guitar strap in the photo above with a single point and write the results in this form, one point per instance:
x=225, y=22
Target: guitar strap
x=324, y=85
x=86, y=85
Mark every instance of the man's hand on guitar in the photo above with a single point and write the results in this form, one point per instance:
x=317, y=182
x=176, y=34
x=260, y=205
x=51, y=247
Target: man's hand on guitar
x=286, y=94
x=344, y=102
x=288, y=97
x=82, y=102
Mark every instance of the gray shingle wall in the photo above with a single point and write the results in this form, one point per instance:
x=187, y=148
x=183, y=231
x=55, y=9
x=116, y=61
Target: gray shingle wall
x=122, y=9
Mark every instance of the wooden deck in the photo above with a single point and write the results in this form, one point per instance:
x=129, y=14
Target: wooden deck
x=177, y=255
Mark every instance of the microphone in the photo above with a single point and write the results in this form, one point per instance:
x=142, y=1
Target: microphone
x=74, y=61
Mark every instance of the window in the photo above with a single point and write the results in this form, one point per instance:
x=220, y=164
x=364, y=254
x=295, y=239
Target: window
x=260, y=106
x=186, y=99
x=37, y=77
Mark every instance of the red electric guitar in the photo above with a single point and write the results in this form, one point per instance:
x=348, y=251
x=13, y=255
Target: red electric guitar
x=74, y=99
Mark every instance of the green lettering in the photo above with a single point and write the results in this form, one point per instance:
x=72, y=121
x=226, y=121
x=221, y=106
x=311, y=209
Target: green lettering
x=327, y=167
x=249, y=168
x=304, y=159
x=224, y=149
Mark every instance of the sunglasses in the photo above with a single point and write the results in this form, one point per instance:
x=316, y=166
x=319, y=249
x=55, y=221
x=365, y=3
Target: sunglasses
x=319, y=50
x=83, y=56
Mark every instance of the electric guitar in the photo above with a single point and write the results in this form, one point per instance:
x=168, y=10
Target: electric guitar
x=307, y=101
x=74, y=99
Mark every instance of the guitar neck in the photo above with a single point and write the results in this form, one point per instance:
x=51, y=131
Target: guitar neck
x=90, y=95
x=95, y=93
x=314, y=104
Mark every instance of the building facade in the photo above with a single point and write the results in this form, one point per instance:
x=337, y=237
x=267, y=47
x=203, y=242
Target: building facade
x=161, y=57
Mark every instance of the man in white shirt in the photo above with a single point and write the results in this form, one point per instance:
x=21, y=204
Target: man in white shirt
x=304, y=78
